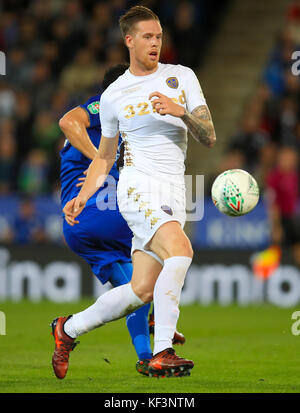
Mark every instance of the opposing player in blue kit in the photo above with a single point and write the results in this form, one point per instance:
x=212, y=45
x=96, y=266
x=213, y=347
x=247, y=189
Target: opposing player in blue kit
x=103, y=237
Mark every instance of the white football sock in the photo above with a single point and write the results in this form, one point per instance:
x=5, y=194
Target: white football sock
x=166, y=298
x=112, y=305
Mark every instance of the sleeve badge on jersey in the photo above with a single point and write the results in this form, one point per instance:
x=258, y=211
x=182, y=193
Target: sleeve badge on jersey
x=94, y=107
x=172, y=82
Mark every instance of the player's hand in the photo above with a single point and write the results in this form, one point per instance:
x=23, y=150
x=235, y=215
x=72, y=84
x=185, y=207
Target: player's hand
x=165, y=105
x=82, y=179
x=72, y=209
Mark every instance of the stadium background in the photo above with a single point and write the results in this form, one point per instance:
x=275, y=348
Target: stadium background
x=56, y=54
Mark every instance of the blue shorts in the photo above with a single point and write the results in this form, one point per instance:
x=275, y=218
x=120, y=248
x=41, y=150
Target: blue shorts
x=101, y=238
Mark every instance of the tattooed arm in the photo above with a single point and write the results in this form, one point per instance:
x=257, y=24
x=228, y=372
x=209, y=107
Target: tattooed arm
x=200, y=125
x=199, y=122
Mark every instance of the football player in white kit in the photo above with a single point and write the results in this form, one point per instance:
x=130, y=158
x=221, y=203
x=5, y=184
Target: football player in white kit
x=152, y=105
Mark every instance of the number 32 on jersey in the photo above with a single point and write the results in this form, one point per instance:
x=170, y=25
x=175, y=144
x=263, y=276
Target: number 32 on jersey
x=143, y=108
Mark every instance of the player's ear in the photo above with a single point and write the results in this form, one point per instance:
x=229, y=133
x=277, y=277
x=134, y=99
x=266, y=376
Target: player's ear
x=128, y=40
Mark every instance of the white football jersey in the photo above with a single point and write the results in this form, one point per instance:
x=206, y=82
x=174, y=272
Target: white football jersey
x=154, y=144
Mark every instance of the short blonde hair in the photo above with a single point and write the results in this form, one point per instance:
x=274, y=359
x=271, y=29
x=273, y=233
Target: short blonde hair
x=135, y=15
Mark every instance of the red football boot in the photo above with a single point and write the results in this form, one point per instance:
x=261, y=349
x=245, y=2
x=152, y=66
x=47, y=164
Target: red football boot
x=166, y=364
x=63, y=346
x=142, y=367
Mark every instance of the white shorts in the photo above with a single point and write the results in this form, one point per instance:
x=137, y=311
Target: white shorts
x=147, y=203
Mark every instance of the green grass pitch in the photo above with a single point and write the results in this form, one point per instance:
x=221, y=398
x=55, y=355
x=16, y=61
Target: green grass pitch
x=235, y=350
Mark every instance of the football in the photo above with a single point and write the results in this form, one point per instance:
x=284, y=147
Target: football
x=235, y=192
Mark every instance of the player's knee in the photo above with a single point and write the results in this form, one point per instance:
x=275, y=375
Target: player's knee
x=190, y=251
x=182, y=247
x=147, y=297
x=143, y=292
x=170, y=240
x=187, y=249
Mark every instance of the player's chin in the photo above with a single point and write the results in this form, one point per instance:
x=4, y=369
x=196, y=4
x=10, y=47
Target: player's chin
x=151, y=63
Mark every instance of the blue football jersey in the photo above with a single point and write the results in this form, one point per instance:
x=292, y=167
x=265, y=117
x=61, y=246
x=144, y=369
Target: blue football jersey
x=74, y=163
x=102, y=237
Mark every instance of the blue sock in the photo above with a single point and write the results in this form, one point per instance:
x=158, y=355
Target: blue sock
x=137, y=322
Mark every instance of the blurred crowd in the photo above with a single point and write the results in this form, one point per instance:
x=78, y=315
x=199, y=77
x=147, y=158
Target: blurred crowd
x=267, y=138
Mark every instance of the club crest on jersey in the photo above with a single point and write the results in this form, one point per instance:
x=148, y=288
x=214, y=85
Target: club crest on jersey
x=172, y=82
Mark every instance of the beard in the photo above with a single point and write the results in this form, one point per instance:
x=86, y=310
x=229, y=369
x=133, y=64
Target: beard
x=147, y=63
